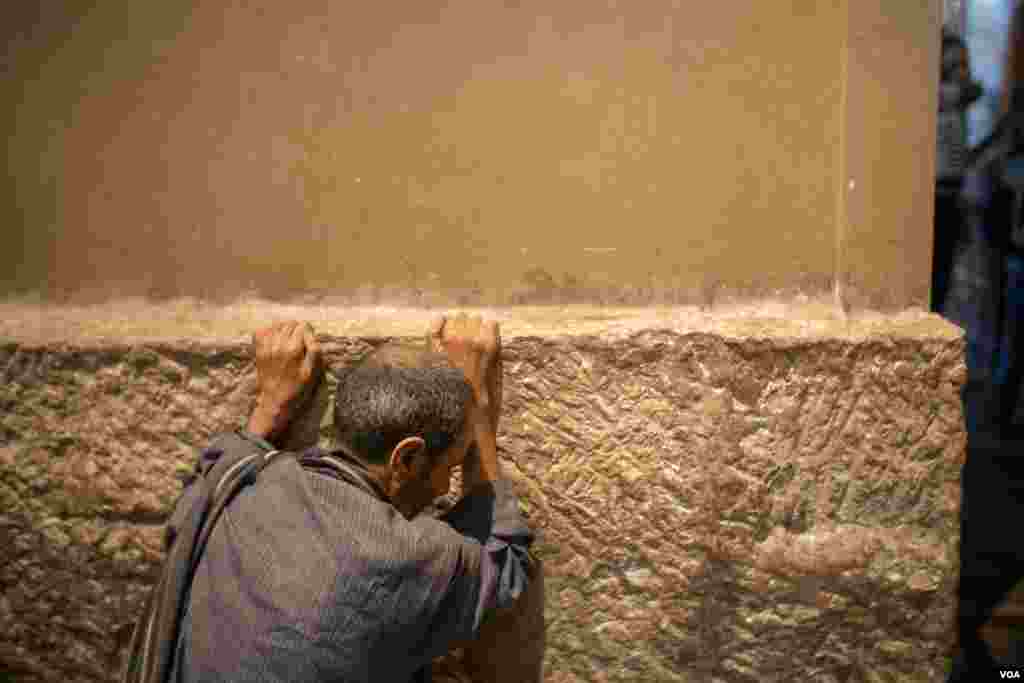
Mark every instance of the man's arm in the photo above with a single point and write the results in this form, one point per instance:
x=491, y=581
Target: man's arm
x=471, y=581
x=488, y=511
x=288, y=368
x=474, y=346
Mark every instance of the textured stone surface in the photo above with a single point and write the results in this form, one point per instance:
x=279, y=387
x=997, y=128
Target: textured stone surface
x=712, y=506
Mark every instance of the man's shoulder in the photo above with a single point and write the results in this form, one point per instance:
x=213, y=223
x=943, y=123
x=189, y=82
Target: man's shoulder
x=300, y=498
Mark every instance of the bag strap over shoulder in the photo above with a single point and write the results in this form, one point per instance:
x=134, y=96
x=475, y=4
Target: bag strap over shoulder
x=157, y=630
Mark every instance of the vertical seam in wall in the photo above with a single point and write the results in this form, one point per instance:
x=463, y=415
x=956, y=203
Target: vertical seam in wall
x=841, y=198
x=932, y=149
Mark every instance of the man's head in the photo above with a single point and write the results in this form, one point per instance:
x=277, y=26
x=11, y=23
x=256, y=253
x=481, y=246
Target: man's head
x=405, y=413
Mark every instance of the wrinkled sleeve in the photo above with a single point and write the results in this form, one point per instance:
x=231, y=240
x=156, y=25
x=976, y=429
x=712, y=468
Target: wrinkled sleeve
x=490, y=564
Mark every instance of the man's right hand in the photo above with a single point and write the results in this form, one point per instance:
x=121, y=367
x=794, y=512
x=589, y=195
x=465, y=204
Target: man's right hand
x=473, y=345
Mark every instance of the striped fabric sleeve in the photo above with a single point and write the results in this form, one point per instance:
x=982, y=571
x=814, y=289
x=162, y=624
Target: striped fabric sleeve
x=489, y=516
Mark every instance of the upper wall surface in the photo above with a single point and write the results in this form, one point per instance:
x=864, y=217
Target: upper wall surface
x=478, y=152
x=884, y=233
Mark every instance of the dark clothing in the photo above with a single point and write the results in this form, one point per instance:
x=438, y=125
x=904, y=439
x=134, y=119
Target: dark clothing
x=992, y=492
x=949, y=221
x=1008, y=366
x=150, y=655
x=956, y=93
x=311, y=575
x=992, y=480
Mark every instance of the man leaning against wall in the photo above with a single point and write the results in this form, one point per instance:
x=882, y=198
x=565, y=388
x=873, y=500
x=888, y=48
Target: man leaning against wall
x=318, y=565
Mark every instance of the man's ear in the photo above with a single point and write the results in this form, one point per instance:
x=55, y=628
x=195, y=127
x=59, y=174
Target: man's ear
x=407, y=455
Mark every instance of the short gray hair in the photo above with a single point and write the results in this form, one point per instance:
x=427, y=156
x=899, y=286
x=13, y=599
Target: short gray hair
x=397, y=391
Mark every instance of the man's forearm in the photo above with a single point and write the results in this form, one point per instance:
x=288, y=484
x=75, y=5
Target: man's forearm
x=269, y=421
x=482, y=465
x=261, y=426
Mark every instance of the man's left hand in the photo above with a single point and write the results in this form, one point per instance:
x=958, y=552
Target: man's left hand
x=288, y=369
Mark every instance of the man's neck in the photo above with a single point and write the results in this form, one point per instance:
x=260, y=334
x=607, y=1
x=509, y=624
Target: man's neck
x=350, y=466
x=381, y=477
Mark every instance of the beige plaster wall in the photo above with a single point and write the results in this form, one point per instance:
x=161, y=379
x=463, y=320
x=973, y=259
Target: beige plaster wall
x=886, y=201
x=476, y=151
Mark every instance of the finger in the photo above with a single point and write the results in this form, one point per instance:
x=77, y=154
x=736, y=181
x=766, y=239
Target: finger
x=470, y=328
x=295, y=341
x=263, y=341
x=477, y=332
x=260, y=335
x=284, y=335
x=458, y=326
x=297, y=335
x=311, y=361
x=492, y=336
x=435, y=333
x=309, y=336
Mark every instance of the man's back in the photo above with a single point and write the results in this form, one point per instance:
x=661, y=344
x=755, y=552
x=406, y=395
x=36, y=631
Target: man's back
x=309, y=577
x=320, y=566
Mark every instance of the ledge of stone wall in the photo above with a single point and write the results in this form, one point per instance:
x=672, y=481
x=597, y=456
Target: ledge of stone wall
x=732, y=495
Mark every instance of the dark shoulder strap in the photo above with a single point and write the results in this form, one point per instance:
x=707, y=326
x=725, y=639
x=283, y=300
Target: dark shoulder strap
x=156, y=632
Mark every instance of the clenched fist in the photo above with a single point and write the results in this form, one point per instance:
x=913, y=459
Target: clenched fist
x=473, y=345
x=288, y=369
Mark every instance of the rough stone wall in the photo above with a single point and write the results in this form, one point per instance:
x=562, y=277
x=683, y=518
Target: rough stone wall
x=711, y=507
